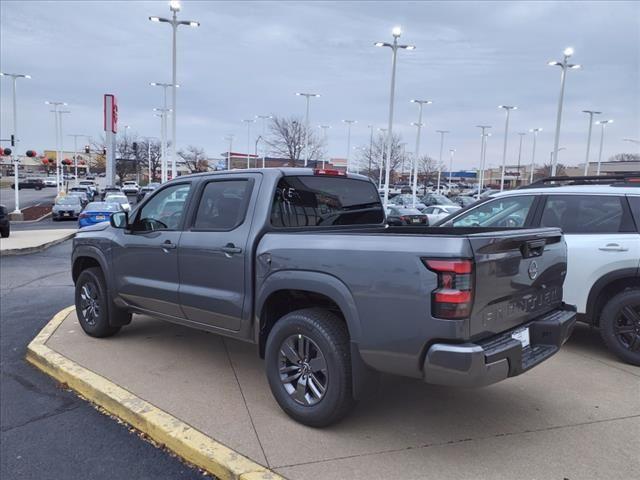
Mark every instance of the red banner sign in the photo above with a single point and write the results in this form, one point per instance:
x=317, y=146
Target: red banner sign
x=110, y=113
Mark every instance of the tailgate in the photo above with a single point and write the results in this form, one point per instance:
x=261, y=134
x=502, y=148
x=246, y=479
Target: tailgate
x=518, y=276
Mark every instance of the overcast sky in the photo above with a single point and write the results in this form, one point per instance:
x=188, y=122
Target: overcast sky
x=250, y=58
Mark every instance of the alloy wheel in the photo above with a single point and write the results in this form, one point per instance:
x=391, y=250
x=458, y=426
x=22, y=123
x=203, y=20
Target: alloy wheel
x=89, y=303
x=303, y=369
x=627, y=327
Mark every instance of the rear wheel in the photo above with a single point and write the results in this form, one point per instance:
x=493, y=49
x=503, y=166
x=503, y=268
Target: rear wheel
x=97, y=316
x=308, y=366
x=620, y=325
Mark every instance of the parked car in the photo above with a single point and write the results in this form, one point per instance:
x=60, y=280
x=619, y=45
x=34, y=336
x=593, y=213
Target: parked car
x=145, y=190
x=120, y=199
x=111, y=189
x=84, y=200
x=399, y=215
x=435, y=199
x=91, y=184
x=435, y=213
x=91, y=177
x=5, y=224
x=102, y=175
x=406, y=200
x=302, y=263
x=130, y=188
x=33, y=183
x=97, y=212
x=86, y=189
x=49, y=181
x=67, y=207
x=600, y=218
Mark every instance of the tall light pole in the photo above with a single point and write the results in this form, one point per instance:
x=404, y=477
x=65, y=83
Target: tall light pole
x=174, y=6
x=451, y=152
x=396, y=32
x=150, y=174
x=229, y=138
x=522, y=135
x=60, y=113
x=163, y=118
x=349, y=123
x=586, y=162
x=442, y=134
x=602, y=124
x=164, y=112
x=564, y=65
x=248, y=122
x=384, y=151
x=370, y=127
x=264, y=119
x=482, y=153
x=307, y=133
x=324, y=139
x=57, y=131
x=16, y=214
x=75, y=150
x=507, y=109
x=419, y=125
x=533, y=153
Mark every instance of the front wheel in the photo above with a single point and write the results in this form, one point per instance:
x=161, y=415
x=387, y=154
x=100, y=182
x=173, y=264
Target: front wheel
x=620, y=325
x=92, y=305
x=308, y=365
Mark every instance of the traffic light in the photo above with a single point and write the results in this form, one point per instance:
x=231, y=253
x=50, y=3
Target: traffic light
x=6, y=152
x=13, y=140
x=87, y=149
x=31, y=153
x=104, y=151
x=135, y=147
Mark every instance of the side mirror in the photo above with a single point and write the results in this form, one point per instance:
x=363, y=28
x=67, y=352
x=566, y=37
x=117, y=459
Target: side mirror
x=119, y=220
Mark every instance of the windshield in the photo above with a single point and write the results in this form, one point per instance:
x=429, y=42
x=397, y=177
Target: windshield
x=315, y=201
x=69, y=200
x=102, y=207
x=117, y=199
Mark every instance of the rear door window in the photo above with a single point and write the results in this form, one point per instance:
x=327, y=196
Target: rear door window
x=319, y=201
x=587, y=214
x=506, y=211
x=223, y=205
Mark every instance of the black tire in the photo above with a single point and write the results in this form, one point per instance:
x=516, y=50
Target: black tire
x=4, y=233
x=620, y=325
x=98, y=316
x=327, y=340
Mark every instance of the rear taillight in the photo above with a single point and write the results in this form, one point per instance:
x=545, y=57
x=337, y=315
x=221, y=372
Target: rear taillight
x=83, y=215
x=329, y=171
x=453, y=298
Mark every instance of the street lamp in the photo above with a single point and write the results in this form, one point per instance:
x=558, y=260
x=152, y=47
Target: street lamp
x=483, y=145
x=75, y=151
x=564, y=65
x=174, y=6
x=533, y=153
x=451, y=152
x=60, y=113
x=17, y=214
x=522, y=135
x=419, y=125
x=507, y=109
x=324, y=139
x=264, y=119
x=163, y=118
x=396, y=32
x=349, y=123
x=57, y=132
x=442, y=134
x=306, y=121
x=602, y=124
x=591, y=114
x=248, y=122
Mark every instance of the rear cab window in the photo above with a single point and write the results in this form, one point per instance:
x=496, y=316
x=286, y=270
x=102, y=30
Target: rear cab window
x=324, y=201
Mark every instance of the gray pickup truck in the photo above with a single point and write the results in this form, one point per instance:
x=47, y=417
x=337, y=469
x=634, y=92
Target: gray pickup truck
x=302, y=263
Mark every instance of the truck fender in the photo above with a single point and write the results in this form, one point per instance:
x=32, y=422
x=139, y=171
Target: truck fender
x=89, y=251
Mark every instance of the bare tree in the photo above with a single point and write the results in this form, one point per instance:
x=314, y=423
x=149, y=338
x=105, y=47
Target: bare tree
x=126, y=157
x=152, y=156
x=545, y=171
x=288, y=138
x=625, y=157
x=371, y=157
x=194, y=159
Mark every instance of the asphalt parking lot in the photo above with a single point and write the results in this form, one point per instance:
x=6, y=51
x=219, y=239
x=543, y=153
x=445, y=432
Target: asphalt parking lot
x=47, y=432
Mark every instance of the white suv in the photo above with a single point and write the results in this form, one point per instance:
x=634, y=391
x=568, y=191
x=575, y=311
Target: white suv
x=130, y=188
x=600, y=219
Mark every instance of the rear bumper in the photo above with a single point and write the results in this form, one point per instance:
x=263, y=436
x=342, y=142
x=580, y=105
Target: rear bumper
x=498, y=357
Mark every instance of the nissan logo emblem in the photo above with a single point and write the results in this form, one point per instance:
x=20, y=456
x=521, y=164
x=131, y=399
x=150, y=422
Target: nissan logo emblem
x=533, y=270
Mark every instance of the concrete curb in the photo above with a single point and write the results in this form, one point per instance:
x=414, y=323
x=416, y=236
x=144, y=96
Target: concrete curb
x=26, y=222
x=187, y=442
x=38, y=248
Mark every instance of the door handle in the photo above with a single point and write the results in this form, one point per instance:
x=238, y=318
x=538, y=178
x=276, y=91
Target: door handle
x=230, y=249
x=168, y=245
x=613, y=247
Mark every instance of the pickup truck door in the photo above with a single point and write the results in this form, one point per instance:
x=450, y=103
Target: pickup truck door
x=214, y=252
x=601, y=237
x=145, y=256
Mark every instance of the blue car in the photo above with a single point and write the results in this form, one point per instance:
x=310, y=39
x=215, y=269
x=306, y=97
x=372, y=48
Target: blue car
x=97, y=212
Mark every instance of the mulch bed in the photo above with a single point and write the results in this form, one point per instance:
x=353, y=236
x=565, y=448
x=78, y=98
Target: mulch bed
x=36, y=211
